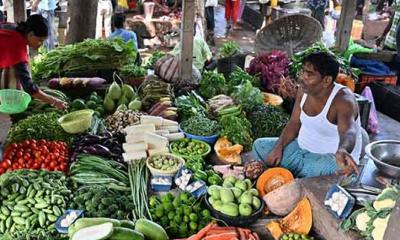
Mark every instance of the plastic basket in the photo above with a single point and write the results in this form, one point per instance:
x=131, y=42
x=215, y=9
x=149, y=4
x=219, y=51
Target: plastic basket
x=366, y=79
x=13, y=101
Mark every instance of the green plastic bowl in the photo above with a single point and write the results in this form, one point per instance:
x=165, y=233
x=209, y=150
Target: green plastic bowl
x=203, y=155
x=76, y=122
x=13, y=101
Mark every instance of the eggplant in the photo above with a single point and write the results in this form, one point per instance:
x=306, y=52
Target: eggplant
x=90, y=139
x=107, y=134
x=103, y=151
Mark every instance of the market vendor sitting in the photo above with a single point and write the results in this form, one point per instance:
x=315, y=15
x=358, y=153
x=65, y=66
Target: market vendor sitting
x=323, y=135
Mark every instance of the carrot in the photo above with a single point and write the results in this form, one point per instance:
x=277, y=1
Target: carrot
x=223, y=228
x=202, y=232
x=256, y=236
x=222, y=236
x=213, y=232
x=242, y=234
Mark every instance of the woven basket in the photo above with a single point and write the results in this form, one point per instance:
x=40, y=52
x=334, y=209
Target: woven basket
x=290, y=34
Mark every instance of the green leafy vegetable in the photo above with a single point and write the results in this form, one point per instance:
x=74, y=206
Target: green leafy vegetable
x=39, y=126
x=239, y=76
x=268, y=121
x=237, y=130
x=200, y=126
x=228, y=49
x=247, y=96
x=212, y=84
x=190, y=105
x=132, y=70
x=154, y=58
x=88, y=55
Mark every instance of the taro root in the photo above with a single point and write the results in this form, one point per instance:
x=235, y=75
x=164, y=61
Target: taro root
x=253, y=169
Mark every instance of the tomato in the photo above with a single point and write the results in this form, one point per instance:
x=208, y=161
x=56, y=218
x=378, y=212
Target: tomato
x=36, y=165
x=6, y=163
x=63, y=167
x=42, y=142
x=33, y=141
x=27, y=143
x=20, y=154
x=21, y=161
x=53, y=164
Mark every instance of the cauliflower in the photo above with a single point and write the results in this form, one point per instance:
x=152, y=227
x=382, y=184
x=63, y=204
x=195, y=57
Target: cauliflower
x=362, y=220
x=387, y=203
x=379, y=225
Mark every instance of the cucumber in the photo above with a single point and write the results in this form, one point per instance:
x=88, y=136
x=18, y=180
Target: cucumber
x=121, y=233
x=97, y=232
x=150, y=230
x=88, y=222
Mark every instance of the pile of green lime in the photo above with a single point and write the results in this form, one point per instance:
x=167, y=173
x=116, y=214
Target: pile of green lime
x=296, y=236
x=180, y=216
x=94, y=102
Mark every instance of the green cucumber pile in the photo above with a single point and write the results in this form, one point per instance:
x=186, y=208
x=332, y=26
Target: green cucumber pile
x=32, y=200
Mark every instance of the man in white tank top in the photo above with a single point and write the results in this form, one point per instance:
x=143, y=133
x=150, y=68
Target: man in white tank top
x=323, y=135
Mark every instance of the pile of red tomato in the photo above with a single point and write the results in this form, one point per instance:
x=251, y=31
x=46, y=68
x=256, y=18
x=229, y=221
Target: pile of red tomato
x=33, y=154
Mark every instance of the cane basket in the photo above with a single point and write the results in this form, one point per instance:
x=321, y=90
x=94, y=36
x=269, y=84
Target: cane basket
x=291, y=34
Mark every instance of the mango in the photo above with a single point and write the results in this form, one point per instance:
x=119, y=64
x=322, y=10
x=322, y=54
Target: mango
x=236, y=192
x=226, y=195
x=241, y=185
x=256, y=203
x=231, y=179
x=227, y=184
x=214, y=192
x=249, y=183
x=230, y=209
x=245, y=209
x=246, y=198
x=211, y=200
x=254, y=192
x=217, y=205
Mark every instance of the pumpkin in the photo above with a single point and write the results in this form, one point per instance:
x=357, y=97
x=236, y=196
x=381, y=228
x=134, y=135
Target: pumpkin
x=346, y=80
x=298, y=221
x=272, y=179
x=227, y=152
x=272, y=99
x=284, y=199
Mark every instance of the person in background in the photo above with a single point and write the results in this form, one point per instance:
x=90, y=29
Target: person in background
x=118, y=21
x=231, y=14
x=103, y=20
x=324, y=134
x=1, y=12
x=14, y=61
x=241, y=10
x=318, y=10
x=202, y=55
x=46, y=8
x=381, y=4
x=209, y=14
x=390, y=32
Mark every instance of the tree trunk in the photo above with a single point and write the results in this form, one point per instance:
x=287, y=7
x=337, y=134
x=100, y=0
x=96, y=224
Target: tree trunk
x=82, y=20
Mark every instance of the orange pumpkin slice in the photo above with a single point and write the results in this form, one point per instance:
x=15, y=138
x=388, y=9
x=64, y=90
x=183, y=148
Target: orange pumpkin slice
x=272, y=179
x=298, y=221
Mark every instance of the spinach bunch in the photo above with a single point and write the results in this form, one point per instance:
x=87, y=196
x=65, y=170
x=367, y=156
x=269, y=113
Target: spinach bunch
x=237, y=130
x=212, y=84
x=190, y=105
x=200, y=126
x=239, y=76
x=228, y=49
x=268, y=121
x=247, y=96
x=39, y=126
x=132, y=70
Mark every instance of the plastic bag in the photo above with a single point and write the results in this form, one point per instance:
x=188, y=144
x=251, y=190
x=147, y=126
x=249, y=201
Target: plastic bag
x=373, y=125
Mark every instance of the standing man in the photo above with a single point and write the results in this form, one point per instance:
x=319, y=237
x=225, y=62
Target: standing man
x=209, y=12
x=46, y=8
x=389, y=35
x=103, y=22
x=318, y=10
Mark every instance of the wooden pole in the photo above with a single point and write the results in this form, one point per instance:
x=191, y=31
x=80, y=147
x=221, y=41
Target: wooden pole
x=19, y=11
x=345, y=24
x=82, y=17
x=186, y=39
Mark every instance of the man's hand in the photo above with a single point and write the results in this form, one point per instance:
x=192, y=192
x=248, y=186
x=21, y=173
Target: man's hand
x=59, y=104
x=34, y=8
x=346, y=163
x=275, y=156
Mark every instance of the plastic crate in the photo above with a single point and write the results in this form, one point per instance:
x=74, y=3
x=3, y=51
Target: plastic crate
x=366, y=79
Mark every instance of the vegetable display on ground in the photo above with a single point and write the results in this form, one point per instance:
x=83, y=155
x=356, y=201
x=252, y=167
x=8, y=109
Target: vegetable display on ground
x=32, y=200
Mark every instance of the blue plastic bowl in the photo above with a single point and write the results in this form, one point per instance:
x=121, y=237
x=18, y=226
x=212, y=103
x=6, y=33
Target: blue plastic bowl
x=161, y=187
x=209, y=139
x=61, y=229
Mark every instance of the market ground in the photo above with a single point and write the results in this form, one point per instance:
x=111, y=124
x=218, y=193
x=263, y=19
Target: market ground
x=246, y=36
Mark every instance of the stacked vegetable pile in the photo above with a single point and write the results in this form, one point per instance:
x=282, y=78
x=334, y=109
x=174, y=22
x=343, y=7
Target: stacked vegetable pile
x=32, y=154
x=89, y=54
x=121, y=98
x=31, y=201
x=181, y=216
x=372, y=220
x=94, y=102
x=39, y=126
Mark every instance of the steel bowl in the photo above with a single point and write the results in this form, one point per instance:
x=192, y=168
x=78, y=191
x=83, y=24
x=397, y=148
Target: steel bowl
x=386, y=156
